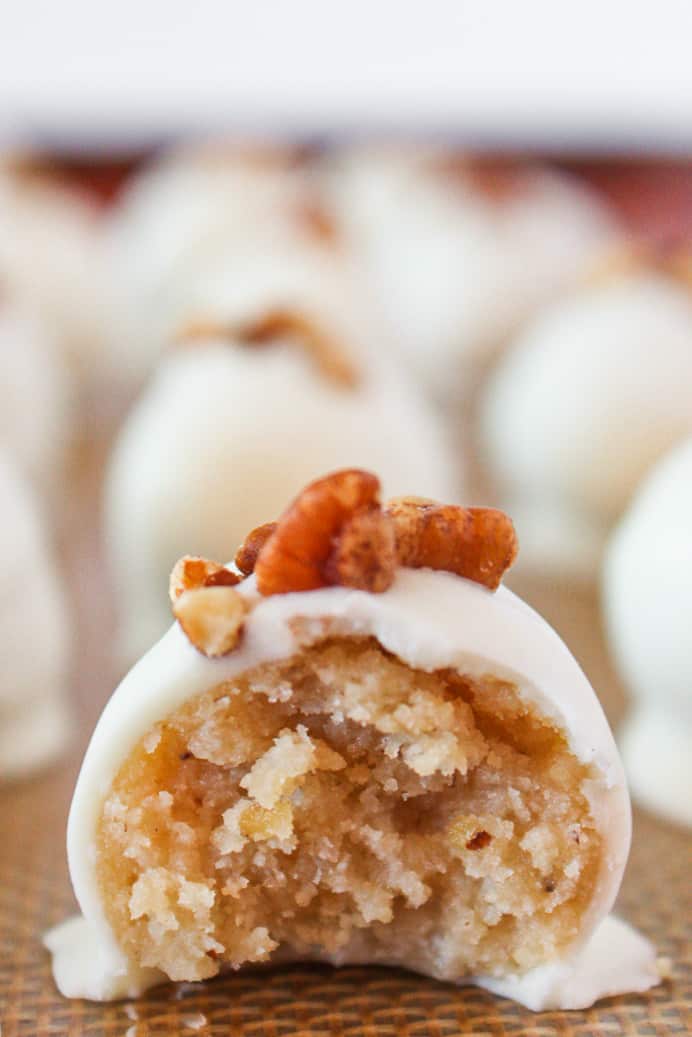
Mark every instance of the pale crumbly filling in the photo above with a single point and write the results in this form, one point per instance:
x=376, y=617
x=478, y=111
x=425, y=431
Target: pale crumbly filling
x=342, y=805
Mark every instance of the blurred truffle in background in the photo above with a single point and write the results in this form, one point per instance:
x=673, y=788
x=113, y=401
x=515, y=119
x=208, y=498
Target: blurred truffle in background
x=591, y=393
x=185, y=217
x=458, y=252
x=239, y=417
x=51, y=259
x=35, y=717
x=647, y=596
x=36, y=400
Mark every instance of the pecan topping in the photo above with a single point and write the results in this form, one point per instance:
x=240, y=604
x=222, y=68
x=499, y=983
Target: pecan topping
x=315, y=218
x=246, y=555
x=496, y=179
x=364, y=553
x=212, y=618
x=327, y=354
x=296, y=557
x=191, y=573
x=335, y=533
x=477, y=543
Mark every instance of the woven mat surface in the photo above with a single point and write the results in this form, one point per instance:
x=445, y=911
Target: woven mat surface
x=313, y=1001
x=310, y=1001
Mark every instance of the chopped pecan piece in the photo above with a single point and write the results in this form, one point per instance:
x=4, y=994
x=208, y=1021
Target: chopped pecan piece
x=212, y=618
x=315, y=218
x=190, y=573
x=364, y=553
x=477, y=543
x=330, y=357
x=246, y=555
x=296, y=555
x=496, y=179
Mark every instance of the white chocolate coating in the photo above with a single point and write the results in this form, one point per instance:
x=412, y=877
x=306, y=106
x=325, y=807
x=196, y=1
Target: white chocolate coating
x=35, y=413
x=454, y=269
x=647, y=597
x=34, y=636
x=224, y=437
x=429, y=620
x=51, y=257
x=589, y=397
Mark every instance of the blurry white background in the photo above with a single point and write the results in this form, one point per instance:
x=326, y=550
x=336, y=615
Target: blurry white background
x=604, y=76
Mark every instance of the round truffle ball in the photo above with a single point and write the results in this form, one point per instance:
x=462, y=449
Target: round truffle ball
x=34, y=633
x=226, y=433
x=590, y=395
x=647, y=596
x=458, y=256
x=51, y=258
x=35, y=398
x=180, y=217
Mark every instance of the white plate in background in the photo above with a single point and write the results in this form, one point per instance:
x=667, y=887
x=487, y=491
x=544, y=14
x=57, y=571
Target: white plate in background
x=605, y=76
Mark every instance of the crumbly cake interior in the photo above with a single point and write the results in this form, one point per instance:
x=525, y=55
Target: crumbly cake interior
x=341, y=805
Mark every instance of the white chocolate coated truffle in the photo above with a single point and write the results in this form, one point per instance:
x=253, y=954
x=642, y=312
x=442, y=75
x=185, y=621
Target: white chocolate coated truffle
x=173, y=221
x=51, y=257
x=242, y=281
x=35, y=412
x=431, y=621
x=34, y=715
x=647, y=595
x=590, y=395
x=456, y=268
x=225, y=435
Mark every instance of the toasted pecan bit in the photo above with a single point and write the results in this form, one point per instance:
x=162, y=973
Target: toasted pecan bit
x=190, y=572
x=328, y=354
x=222, y=577
x=212, y=618
x=364, y=552
x=315, y=218
x=246, y=555
x=477, y=543
x=496, y=179
x=295, y=556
